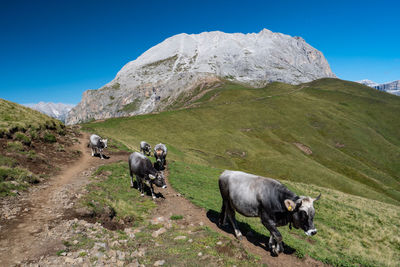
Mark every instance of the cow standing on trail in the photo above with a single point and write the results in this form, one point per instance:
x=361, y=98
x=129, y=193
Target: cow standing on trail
x=97, y=144
x=256, y=196
x=160, y=153
x=145, y=148
x=141, y=167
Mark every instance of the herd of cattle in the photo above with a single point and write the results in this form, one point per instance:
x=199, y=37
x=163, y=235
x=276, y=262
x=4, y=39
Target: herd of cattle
x=248, y=194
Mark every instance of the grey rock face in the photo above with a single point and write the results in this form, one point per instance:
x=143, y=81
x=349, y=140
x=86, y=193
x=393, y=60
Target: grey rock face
x=183, y=62
x=55, y=110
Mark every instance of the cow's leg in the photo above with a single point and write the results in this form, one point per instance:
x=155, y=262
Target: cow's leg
x=92, y=151
x=223, y=215
x=152, y=191
x=230, y=213
x=140, y=186
x=275, y=240
x=101, y=153
x=131, y=174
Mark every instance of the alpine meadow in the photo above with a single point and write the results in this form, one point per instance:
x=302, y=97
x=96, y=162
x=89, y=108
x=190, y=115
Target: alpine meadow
x=331, y=136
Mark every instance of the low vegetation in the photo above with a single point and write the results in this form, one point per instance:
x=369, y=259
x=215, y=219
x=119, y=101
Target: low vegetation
x=30, y=146
x=178, y=245
x=330, y=136
x=351, y=230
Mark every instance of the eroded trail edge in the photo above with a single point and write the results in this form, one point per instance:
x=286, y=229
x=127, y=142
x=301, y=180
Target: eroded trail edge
x=26, y=237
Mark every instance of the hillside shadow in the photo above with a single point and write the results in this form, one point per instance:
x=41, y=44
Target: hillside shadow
x=104, y=156
x=252, y=236
x=147, y=190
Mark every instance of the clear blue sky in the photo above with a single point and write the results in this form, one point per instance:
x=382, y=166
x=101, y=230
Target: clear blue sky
x=54, y=50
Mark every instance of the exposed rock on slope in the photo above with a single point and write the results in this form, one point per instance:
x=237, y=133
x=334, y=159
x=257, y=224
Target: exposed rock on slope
x=390, y=87
x=183, y=62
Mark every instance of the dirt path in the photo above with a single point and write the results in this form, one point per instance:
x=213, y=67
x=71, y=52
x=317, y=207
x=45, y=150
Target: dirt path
x=174, y=203
x=43, y=207
x=26, y=237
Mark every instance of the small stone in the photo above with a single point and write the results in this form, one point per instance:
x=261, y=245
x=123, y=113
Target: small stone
x=159, y=263
x=201, y=223
x=190, y=240
x=158, y=232
x=69, y=260
x=200, y=254
x=219, y=243
x=180, y=237
x=75, y=242
x=134, y=263
x=120, y=263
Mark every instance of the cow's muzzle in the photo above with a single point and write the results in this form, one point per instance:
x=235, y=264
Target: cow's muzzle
x=311, y=232
x=164, y=186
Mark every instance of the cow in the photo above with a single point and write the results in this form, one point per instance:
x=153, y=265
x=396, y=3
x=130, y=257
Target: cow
x=160, y=153
x=97, y=144
x=141, y=167
x=145, y=148
x=274, y=203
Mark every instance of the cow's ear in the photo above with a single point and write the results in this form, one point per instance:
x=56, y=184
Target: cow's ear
x=152, y=177
x=290, y=206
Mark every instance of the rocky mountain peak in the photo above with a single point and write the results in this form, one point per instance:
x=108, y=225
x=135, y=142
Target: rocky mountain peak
x=183, y=61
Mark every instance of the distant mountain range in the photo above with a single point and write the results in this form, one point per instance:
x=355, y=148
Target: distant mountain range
x=390, y=87
x=190, y=62
x=55, y=110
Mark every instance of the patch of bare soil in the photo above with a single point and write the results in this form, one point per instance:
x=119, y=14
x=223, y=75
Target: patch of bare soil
x=25, y=235
x=303, y=148
x=172, y=203
x=44, y=158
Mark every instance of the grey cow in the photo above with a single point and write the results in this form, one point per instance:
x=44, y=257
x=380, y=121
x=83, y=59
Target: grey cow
x=97, y=144
x=145, y=148
x=160, y=153
x=141, y=167
x=256, y=196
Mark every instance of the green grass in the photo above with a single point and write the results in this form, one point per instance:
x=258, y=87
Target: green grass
x=14, y=117
x=111, y=188
x=49, y=138
x=12, y=179
x=351, y=129
x=176, y=217
x=351, y=230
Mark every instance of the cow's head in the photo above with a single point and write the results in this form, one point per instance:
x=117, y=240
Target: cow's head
x=158, y=179
x=303, y=213
x=104, y=141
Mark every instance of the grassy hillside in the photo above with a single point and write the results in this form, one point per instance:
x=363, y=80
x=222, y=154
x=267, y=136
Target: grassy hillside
x=30, y=145
x=14, y=117
x=331, y=133
x=330, y=136
x=351, y=230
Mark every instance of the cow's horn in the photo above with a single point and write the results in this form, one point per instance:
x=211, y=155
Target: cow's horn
x=318, y=197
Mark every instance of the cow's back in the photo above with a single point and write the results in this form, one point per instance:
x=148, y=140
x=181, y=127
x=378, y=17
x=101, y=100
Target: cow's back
x=248, y=192
x=94, y=139
x=139, y=164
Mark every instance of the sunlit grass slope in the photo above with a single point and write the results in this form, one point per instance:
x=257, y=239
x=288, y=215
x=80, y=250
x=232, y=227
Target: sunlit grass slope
x=351, y=131
x=352, y=231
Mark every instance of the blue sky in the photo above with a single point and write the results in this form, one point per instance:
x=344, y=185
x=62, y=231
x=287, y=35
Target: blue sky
x=55, y=50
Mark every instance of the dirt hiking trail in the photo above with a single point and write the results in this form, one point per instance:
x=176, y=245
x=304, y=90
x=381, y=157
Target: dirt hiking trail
x=43, y=207
x=26, y=237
